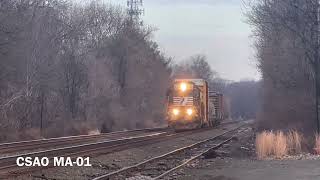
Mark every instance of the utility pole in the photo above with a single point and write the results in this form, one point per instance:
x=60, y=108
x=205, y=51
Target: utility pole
x=135, y=10
x=317, y=73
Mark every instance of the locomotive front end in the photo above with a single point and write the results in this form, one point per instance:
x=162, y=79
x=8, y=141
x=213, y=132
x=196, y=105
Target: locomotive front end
x=183, y=110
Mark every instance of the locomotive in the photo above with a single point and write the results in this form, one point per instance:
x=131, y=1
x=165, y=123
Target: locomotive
x=190, y=105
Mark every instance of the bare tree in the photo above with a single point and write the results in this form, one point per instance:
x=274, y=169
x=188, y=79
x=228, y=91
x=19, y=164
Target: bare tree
x=68, y=68
x=287, y=50
x=196, y=66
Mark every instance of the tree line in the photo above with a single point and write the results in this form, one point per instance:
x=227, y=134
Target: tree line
x=70, y=68
x=287, y=48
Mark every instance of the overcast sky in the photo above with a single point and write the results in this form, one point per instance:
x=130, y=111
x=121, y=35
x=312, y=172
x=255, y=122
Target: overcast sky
x=215, y=28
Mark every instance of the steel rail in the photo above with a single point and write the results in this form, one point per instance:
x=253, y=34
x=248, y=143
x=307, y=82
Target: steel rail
x=44, y=143
x=13, y=147
x=194, y=158
x=9, y=163
x=125, y=169
x=9, y=168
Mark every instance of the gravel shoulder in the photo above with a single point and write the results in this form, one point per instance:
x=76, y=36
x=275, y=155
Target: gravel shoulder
x=237, y=169
x=237, y=161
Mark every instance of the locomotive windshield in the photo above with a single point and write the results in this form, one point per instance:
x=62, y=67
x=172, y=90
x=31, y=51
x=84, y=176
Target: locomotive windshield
x=183, y=87
x=183, y=93
x=182, y=90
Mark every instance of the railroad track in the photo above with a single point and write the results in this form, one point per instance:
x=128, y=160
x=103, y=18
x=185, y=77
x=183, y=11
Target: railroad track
x=9, y=168
x=18, y=147
x=15, y=147
x=161, y=166
x=8, y=165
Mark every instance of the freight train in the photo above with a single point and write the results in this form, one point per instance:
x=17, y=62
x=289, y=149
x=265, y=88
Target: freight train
x=190, y=105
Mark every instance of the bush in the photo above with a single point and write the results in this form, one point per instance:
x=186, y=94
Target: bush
x=278, y=145
x=317, y=144
x=264, y=144
x=294, y=140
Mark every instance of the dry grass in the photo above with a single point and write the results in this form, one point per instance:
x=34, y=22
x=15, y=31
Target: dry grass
x=94, y=132
x=29, y=134
x=264, y=144
x=294, y=139
x=317, y=144
x=278, y=145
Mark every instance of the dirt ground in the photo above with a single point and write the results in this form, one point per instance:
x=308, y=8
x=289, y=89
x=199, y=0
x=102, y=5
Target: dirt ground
x=238, y=162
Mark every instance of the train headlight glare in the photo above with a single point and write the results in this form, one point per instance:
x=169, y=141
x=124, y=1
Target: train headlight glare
x=189, y=112
x=183, y=87
x=176, y=112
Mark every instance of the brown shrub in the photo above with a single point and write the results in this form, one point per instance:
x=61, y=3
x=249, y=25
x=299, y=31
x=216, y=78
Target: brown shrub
x=280, y=145
x=264, y=144
x=270, y=144
x=317, y=144
x=294, y=140
x=30, y=134
x=94, y=132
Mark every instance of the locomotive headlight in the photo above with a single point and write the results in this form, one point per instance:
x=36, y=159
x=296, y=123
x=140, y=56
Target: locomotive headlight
x=176, y=112
x=183, y=87
x=189, y=112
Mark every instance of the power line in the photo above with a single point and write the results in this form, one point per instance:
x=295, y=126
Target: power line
x=135, y=10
